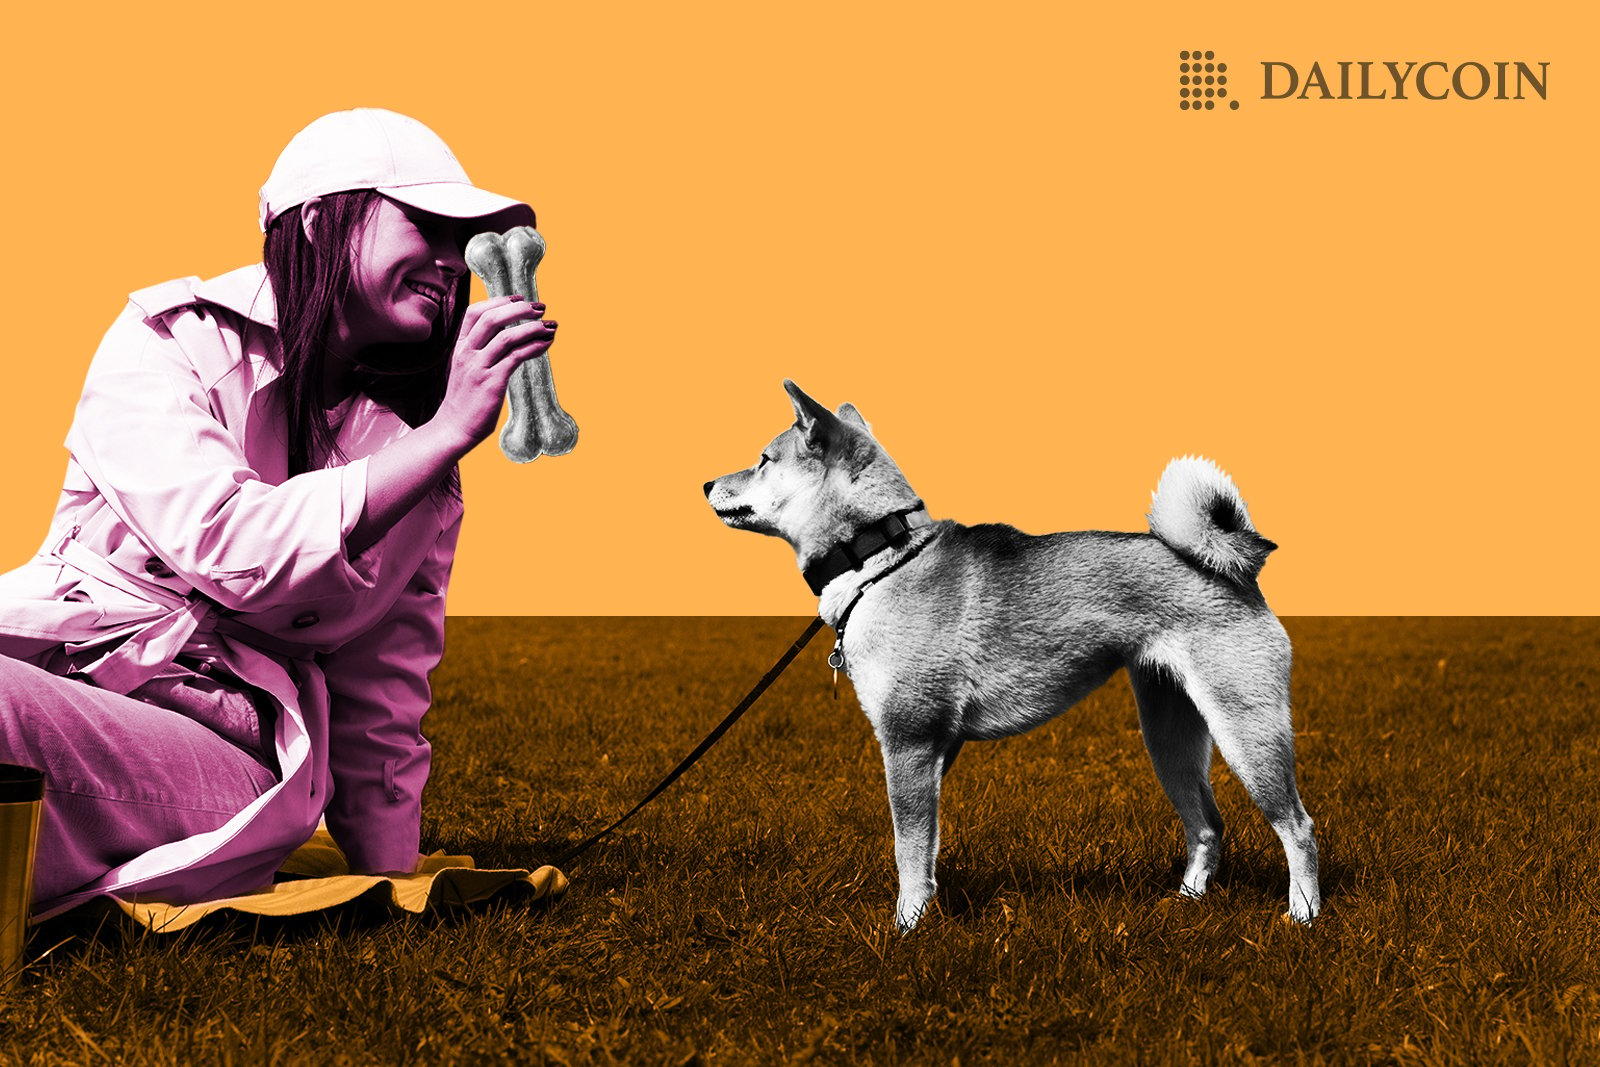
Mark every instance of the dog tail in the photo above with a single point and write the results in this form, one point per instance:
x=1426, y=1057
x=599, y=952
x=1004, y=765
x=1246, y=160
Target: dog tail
x=1197, y=511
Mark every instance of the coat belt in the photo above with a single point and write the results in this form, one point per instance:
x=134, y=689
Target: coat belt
x=149, y=646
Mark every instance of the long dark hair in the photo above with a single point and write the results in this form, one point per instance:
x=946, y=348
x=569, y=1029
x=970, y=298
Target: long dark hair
x=310, y=277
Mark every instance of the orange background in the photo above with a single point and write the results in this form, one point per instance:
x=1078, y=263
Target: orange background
x=989, y=226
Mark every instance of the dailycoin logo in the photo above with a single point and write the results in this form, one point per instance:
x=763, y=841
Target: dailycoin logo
x=1203, y=82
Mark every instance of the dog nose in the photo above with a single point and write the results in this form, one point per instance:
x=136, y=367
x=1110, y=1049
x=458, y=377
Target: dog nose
x=708, y=488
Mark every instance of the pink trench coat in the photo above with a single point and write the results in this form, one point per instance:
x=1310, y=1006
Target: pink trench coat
x=178, y=531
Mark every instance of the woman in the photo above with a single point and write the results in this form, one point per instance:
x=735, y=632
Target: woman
x=228, y=632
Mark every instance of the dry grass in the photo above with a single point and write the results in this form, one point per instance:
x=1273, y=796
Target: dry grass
x=746, y=916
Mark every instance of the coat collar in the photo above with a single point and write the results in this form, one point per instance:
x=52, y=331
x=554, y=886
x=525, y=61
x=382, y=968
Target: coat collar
x=245, y=291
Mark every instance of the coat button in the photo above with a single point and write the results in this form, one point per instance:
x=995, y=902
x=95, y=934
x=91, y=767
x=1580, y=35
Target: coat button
x=308, y=619
x=156, y=569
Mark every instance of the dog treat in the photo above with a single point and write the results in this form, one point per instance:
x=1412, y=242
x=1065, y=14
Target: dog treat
x=537, y=424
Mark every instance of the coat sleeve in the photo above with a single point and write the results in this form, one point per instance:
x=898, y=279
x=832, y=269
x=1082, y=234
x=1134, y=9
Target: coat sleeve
x=378, y=692
x=146, y=434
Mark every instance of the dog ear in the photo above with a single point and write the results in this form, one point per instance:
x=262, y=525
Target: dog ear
x=817, y=423
x=845, y=439
x=848, y=413
x=806, y=410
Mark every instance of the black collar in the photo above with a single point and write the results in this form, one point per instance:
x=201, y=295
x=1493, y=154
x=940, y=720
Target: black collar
x=887, y=532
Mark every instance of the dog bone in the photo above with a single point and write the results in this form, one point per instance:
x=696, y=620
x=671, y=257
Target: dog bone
x=537, y=424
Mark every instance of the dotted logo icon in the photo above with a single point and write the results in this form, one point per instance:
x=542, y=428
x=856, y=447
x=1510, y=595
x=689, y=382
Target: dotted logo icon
x=1202, y=82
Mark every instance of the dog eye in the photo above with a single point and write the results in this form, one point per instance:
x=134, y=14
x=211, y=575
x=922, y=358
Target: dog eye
x=765, y=459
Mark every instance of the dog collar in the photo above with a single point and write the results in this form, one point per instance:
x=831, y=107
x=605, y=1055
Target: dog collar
x=887, y=532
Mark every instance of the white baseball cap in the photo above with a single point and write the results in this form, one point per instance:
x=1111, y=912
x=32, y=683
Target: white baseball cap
x=371, y=148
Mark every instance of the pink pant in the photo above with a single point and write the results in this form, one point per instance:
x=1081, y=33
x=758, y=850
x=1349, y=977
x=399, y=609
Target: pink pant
x=121, y=776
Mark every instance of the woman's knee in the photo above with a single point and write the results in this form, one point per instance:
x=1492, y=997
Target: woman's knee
x=19, y=709
x=44, y=718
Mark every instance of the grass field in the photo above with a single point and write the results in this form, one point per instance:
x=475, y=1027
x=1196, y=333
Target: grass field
x=746, y=916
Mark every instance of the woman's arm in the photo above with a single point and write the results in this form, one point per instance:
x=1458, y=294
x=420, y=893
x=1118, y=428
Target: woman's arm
x=497, y=336
x=159, y=432
x=378, y=692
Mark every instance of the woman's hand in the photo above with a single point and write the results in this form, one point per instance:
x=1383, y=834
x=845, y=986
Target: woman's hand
x=497, y=336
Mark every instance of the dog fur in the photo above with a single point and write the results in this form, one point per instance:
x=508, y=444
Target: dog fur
x=982, y=632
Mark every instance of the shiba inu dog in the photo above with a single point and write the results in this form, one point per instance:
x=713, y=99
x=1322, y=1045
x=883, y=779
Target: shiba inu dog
x=954, y=633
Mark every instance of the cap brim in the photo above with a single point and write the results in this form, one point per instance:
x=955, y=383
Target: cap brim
x=457, y=200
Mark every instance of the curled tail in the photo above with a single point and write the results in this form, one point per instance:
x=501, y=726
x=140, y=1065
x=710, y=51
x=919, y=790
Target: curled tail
x=1196, y=510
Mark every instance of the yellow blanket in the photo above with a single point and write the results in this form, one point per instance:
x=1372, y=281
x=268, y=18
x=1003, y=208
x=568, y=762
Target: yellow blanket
x=318, y=878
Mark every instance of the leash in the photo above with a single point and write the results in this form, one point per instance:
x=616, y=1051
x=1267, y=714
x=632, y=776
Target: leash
x=688, y=761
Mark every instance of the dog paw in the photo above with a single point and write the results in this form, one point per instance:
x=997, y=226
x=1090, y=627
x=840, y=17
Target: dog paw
x=907, y=916
x=1303, y=907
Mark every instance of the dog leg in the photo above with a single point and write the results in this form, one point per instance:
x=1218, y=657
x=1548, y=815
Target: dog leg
x=1264, y=762
x=1240, y=685
x=914, y=773
x=1180, y=751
